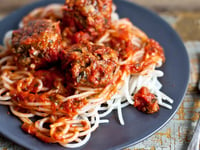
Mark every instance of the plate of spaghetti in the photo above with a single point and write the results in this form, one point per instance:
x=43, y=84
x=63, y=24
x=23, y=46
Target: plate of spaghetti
x=79, y=74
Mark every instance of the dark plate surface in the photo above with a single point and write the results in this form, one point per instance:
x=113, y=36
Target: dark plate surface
x=138, y=126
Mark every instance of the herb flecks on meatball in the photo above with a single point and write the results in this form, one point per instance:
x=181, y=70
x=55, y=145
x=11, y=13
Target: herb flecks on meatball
x=37, y=44
x=89, y=64
x=93, y=16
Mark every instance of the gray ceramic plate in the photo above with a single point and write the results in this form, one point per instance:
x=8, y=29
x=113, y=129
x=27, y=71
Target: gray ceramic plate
x=138, y=126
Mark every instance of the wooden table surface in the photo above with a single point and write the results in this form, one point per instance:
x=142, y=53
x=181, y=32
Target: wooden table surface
x=184, y=17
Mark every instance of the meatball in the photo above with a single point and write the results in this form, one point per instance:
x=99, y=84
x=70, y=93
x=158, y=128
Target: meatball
x=36, y=44
x=93, y=16
x=89, y=64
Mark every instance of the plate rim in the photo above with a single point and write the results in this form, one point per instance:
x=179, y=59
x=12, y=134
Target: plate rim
x=130, y=143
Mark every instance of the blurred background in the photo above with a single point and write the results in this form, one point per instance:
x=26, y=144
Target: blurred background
x=170, y=5
x=180, y=8
x=7, y=5
x=184, y=18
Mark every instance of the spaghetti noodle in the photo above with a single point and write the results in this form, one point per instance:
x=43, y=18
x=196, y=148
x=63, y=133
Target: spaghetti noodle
x=68, y=66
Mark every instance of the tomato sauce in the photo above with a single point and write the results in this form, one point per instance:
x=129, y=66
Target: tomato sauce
x=145, y=101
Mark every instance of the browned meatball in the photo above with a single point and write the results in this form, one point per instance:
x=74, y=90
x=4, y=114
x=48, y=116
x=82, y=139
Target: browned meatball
x=37, y=43
x=93, y=16
x=89, y=64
